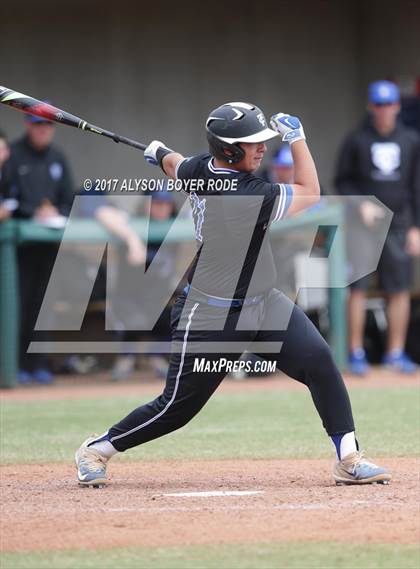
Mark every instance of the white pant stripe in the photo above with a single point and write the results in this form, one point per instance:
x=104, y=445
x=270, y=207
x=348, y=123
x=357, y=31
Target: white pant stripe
x=181, y=365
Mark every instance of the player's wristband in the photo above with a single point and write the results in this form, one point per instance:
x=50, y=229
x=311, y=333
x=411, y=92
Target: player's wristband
x=161, y=152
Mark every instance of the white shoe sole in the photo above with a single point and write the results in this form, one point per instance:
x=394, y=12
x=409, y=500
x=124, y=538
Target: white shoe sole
x=98, y=483
x=379, y=479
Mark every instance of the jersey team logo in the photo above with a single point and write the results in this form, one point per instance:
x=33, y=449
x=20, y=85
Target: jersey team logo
x=386, y=156
x=56, y=171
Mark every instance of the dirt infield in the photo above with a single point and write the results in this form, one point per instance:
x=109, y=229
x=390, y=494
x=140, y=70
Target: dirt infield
x=295, y=500
x=43, y=508
x=90, y=387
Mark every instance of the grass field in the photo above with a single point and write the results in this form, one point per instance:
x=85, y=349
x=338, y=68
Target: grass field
x=259, y=424
x=260, y=556
x=248, y=425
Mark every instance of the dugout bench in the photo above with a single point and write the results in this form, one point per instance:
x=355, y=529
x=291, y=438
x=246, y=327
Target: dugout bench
x=13, y=232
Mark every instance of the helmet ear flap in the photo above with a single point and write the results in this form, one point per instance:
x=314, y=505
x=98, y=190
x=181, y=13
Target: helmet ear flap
x=230, y=153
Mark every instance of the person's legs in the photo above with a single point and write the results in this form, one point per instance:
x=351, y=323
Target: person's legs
x=125, y=363
x=45, y=255
x=398, y=312
x=35, y=265
x=356, y=318
x=395, y=276
x=26, y=277
x=306, y=357
x=186, y=391
x=356, y=313
x=28, y=260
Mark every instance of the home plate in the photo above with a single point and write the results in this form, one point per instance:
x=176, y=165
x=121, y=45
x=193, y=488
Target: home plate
x=215, y=493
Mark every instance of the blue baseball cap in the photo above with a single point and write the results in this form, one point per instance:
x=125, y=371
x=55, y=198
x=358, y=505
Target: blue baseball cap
x=383, y=93
x=34, y=119
x=163, y=195
x=283, y=158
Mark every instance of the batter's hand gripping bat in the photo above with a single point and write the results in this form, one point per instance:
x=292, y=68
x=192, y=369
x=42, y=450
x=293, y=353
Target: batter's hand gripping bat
x=46, y=111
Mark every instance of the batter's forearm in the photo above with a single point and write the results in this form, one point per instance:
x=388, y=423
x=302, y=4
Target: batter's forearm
x=306, y=189
x=170, y=162
x=305, y=170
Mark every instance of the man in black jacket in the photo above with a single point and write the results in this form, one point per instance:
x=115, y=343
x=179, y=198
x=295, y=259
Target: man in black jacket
x=38, y=181
x=382, y=158
x=5, y=210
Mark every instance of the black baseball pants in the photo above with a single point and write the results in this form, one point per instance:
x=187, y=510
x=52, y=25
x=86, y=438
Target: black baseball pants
x=304, y=356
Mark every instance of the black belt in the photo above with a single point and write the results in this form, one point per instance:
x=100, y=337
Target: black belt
x=227, y=302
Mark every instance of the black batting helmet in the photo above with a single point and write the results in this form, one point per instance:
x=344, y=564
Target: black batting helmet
x=233, y=123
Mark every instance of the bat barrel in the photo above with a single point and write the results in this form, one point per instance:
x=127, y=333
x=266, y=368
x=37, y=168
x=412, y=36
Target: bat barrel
x=45, y=110
x=37, y=108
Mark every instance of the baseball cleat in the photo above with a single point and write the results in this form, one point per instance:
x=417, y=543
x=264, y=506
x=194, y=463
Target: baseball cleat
x=91, y=466
x=355, y=469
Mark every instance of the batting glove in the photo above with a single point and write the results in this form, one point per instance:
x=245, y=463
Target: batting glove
x=155, y=152
x=289, y=128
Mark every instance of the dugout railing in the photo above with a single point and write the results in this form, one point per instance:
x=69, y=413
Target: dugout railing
x=14, y=232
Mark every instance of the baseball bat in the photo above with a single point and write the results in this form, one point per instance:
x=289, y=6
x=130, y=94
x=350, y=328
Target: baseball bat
x=49, y=112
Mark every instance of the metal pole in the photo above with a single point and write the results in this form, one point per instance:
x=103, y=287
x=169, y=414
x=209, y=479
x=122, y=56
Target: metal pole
x=337, y=293
x=8, y=305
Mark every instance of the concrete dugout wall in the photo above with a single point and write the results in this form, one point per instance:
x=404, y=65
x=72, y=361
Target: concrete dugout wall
x=156, y=71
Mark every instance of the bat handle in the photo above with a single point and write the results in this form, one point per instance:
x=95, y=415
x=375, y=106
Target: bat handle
x=130, y=142
x=115, y=137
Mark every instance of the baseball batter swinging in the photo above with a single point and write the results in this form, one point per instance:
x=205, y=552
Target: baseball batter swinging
x=230, y=296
